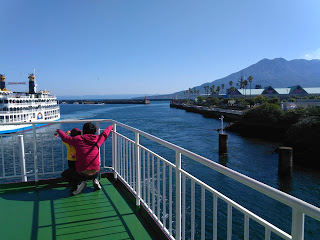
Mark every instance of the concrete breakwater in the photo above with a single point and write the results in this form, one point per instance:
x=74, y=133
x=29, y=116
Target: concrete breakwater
x=108, y=101
x=229, y=115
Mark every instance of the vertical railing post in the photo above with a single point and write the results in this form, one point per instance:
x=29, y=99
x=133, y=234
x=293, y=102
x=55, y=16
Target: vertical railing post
x=297, y=231
x=178, y=195
x=22, y=159
x=35, y=152
x=138, y=170
x=114, y=150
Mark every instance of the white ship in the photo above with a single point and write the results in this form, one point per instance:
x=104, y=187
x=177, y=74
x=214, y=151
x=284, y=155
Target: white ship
x=26, y=107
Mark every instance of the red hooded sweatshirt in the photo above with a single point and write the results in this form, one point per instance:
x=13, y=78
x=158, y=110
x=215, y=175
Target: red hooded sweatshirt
x=87, y=148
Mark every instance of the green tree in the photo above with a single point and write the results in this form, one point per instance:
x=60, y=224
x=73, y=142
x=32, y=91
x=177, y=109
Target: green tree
x=265, y=113
x=250, y=78
x=260, y=99
x=212, y=89
x=274, y=100
x=206, y=88
x=218, y=90
x=245, y=84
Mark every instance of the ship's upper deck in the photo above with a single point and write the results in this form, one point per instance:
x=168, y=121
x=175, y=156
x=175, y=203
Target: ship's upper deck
x=23, y=95
x=45, y=211
x=182, y=205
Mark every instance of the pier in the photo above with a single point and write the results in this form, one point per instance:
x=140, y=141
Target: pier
x=106, y=101
x=228, y=114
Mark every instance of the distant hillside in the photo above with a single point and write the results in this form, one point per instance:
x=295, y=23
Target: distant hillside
x=276, y=73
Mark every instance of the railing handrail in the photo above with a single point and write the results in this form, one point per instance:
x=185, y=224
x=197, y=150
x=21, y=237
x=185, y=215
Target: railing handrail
x=285, y=198
x=276, y=194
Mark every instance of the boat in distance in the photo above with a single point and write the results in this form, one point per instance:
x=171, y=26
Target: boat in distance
x=26, y=107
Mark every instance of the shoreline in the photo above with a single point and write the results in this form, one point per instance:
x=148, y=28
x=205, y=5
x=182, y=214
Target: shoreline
x=304, y=154
x=229, y=115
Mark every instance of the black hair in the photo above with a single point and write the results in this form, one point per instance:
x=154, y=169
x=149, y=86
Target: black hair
x=89, y=128
x=75, y=132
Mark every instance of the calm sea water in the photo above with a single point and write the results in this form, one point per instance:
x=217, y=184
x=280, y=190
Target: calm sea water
x=252, y=157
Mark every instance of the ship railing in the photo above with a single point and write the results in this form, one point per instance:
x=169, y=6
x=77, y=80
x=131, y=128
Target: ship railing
x=175, y=198
x=15, y=96
x=53, y=107
x=53, y=103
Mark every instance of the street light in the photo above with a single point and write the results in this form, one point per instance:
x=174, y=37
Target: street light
x=222, y=117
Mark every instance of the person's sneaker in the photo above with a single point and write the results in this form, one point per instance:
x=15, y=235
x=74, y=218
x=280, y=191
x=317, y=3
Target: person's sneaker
x=96, y=184
x=80, y=188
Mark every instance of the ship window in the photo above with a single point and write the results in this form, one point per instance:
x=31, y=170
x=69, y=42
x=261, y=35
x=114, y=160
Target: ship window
x=5, y=101
x=0, y=101
x=34, y=115
x=7, y=118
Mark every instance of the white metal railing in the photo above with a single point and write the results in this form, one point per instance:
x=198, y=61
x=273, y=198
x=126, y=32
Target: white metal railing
x=48, y=108
x=160, y=185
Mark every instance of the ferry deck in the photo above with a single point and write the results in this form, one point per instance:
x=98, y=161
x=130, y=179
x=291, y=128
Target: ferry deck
x=144, y=195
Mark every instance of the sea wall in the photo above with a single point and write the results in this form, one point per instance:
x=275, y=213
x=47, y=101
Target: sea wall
x=108, y=101
x=229, y=115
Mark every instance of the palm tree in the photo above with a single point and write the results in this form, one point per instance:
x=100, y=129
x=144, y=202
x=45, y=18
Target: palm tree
x=218, y=90
x=212, y=89
x=222, y=86
x=231, y=87
x=205, y=89
x=250, y=78
x=245, y=83
x=241, y=82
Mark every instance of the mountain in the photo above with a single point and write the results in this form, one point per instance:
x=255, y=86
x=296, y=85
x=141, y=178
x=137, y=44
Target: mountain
x=277, y=72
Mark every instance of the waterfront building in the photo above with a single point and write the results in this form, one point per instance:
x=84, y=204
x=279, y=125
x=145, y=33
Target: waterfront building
x=269, y=91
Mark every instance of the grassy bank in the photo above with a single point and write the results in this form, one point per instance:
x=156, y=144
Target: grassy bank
x=298, y=128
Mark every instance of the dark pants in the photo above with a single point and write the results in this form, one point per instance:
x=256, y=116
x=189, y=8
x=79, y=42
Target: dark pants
x=75, y=178
x=72, y=164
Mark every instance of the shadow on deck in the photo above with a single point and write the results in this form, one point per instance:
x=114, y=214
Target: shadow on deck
x=46, y=211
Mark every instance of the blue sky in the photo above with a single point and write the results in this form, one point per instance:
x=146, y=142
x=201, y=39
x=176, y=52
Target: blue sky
x=146, y=46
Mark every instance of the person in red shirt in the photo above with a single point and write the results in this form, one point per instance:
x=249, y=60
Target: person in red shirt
x=87, y=155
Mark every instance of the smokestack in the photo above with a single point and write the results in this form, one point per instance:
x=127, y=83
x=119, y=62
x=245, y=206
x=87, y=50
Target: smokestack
x=32, y=87
x=2, y=82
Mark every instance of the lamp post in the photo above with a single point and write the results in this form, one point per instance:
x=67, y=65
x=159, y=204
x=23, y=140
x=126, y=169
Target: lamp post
x=223, y=139
x=222, y=117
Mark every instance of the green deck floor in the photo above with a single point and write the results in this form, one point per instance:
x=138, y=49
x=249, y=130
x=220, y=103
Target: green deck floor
x=50, y=213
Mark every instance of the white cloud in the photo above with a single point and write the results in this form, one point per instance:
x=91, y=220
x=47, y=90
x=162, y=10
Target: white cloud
x=312, y=55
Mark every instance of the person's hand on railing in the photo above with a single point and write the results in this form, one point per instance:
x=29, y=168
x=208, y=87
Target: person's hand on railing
x=68, y=132
x=56, y=133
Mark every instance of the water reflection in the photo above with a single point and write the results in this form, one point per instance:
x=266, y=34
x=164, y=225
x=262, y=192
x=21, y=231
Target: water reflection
x=285, y=183
x=223, y=159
